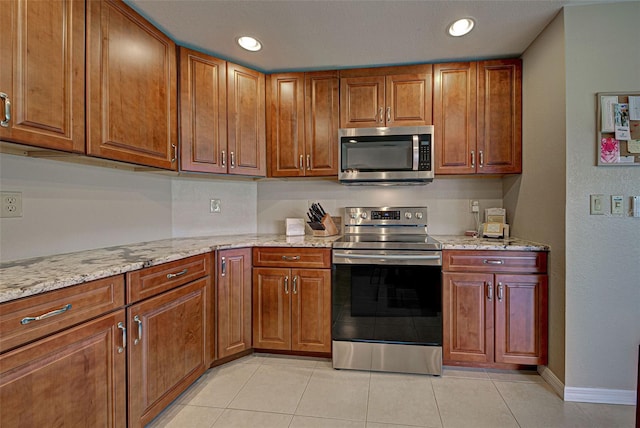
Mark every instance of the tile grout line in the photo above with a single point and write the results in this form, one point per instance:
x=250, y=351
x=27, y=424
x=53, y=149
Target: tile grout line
x=295, y=411
x=505, y=402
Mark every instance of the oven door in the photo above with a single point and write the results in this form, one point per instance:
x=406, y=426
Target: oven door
x=387, y=297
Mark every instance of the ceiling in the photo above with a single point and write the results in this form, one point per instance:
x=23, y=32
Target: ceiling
x=330, y=34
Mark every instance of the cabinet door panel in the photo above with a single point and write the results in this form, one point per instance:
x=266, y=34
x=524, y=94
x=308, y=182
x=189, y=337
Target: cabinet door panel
x=131, y=88
x=362, y=102
x=500, y=116
x=321, y=123
x=233, y=299
x=167, y=348
x=246, y=121
x=203, y=111
x=272, y=290
x=311, y=310
x=42, y=72
x=468, y=329
x=408, y=100
x=286, y=124
x=521, y=319
x=454, y=114
x=73, y=378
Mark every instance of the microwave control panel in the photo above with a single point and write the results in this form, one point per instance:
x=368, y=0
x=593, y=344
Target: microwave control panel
x=424, y=160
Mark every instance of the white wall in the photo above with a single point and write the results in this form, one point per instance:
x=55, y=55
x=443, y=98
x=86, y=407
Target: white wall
x=603, y=252
x=447, y=200
x=537, y=197
x=70, y=207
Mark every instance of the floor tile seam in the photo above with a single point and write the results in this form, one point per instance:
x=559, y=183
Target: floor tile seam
x=506, y=403
x=435, y=398
x=243, y=386
x=260, y=411
x=306, y=386
x=366, y=410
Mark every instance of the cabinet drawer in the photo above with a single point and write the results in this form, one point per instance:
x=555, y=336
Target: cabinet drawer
x=292, y=257
x=494, y=261
x=59, y=309
x=151, y=281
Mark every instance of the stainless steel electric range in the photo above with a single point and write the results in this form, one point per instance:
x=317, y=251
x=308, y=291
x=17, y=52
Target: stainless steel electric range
x=387, y=292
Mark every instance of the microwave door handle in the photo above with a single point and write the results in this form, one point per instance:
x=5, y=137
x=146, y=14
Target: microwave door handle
x=416, y=152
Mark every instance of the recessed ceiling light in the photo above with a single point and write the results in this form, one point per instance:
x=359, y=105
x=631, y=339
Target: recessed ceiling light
x=249, y=43
x=461, y=27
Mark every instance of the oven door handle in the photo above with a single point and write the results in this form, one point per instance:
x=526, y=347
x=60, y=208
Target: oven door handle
x=389, y=257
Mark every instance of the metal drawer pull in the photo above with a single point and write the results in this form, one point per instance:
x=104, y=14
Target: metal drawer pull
x=381, y=115
x=499, y=292
x=224, y=158
x=493, y=262
x=124, y=337
x=286, y=285
x=233, y=160
x=309, y=162
x=481, y=159
x=388, y=114
x=139, y=338
x=295, y=284
x=173, y=275
x=291, y=258
x=7, y=110
x=473, y=158
x=175, y=153
x=301, y=162
x=490, y=291
x=62, y=310
x=223, y=266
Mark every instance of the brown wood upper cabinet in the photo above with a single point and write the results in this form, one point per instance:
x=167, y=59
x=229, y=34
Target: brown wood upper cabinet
x=42, y=74
x=222, y=115
x=478, y=117
x=131, y=88
x=302, y=124
x=386, y=96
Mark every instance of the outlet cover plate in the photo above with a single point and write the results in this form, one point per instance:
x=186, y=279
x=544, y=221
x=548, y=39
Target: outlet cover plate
x=11, y=204
x=216, y=206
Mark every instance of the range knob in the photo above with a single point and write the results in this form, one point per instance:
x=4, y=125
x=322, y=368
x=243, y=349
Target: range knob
x=354, y=215
x=363, y=215
x=407, y=215
x=419, y=215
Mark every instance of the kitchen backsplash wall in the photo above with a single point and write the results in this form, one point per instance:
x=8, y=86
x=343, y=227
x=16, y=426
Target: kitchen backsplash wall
x=447, y=200
x=70, y=207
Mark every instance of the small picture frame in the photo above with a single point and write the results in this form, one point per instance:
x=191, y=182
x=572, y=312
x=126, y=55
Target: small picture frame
x=618, y=128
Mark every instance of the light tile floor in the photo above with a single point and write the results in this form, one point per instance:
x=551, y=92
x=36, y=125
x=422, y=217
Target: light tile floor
x=264, y=390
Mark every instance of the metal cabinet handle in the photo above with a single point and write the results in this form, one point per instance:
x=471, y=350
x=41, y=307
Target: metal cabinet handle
x=291, y=258
x=62, y=310
x=295, y=284
x=473, y=158
x=309, y=162
x=500, y=292
x=174, y=275
x=233, y=160
x=139, y=338
x=224, y=158
x=286, y=285
x=490, y=291
x=481, y=159
x=381, y=115
x=223, y=266
x=301, y=163
x=175, y=153
x=388, y=114
x=7, y=110
x=493, y=262
x=124, y=337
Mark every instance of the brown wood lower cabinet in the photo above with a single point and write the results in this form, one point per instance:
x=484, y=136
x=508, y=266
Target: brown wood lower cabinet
x=291, y=306
x=494, y=318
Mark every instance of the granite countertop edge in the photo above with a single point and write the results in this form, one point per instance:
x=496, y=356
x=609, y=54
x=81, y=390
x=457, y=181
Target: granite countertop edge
x=28, y=277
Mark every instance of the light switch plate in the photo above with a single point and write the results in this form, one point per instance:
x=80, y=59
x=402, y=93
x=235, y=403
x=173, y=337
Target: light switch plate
x=617, y=205
x=635, y=206
x=597, y=205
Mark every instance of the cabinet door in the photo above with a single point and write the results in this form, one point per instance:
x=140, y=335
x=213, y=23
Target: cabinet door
x=167, y=348
x=468, y=327
x=272, y=290
x=321, y=123
x=362, y=102
x=286, y=125
x=42, y=73
x=311, y=310
x=521, y=319
x=233, y=299
x=408, y=100
x=246, y=121
x=203, y=112
x=454, y=118
x=73, y=378
x=131, y=88
x=500, y=116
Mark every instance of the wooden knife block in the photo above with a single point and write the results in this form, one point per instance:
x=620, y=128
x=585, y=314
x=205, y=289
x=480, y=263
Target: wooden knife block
x=330, y=228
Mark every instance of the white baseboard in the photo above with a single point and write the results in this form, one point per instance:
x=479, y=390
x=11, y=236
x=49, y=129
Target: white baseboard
x=587, y=395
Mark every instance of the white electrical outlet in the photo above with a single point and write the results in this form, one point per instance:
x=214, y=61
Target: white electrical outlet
x=216, y=206
x=11, y=204
x=474, y=206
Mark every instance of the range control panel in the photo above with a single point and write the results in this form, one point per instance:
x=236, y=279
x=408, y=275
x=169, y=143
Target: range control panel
x=385, y=216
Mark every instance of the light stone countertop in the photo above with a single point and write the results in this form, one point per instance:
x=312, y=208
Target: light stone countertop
x=22, y=278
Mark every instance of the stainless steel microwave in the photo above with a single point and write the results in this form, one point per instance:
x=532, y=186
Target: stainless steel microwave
x=386, y=156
